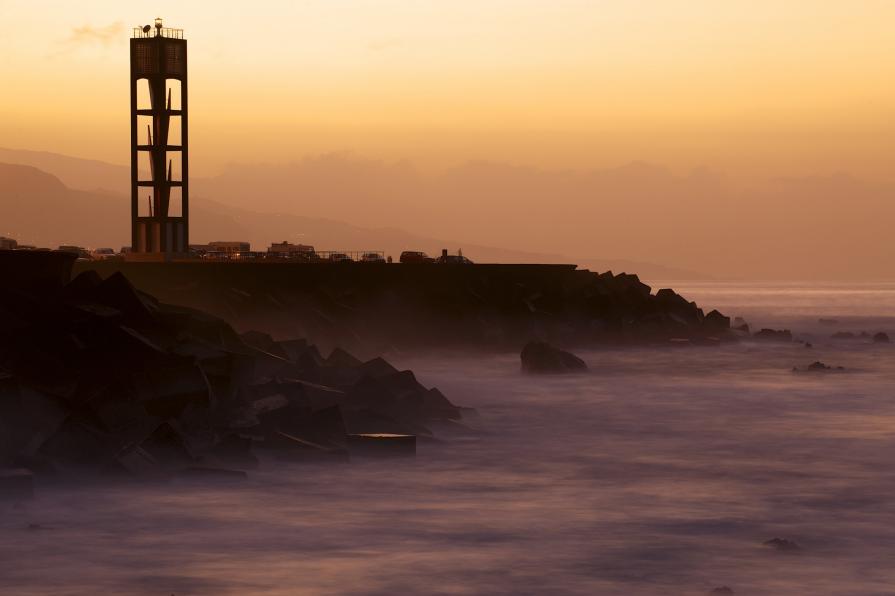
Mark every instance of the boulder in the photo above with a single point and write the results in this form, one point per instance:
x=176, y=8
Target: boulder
x=98, y=377
x=292, y=448
x=716, y=321
x=683, y=310
x=166, y=392
x=339, y=358
x=265, y=343
x=782, y=544
x=168, y=446
x=382, y=445
x=132, y=462
x=784, y=335
x=881, y=338
x=815, y=367
x=541, y=357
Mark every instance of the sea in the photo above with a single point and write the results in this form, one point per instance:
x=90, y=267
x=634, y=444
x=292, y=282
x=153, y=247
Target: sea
x=659, y=471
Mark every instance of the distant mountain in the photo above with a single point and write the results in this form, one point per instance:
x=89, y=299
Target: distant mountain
x=37, y=208
x=74, y=172
x=832, y=227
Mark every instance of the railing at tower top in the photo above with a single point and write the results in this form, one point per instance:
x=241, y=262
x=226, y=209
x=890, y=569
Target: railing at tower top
x=163, y=32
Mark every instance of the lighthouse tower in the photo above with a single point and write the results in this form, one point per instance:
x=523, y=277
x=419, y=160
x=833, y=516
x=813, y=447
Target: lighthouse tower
x=160, y=221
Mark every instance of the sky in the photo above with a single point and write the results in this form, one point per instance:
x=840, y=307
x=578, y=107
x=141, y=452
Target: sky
x=755, y=89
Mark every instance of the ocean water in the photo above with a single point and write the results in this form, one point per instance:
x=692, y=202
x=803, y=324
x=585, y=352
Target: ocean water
x=660, y=471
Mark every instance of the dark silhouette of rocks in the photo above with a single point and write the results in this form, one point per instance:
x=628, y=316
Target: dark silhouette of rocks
x=740, y=327
x=715, y=320
x=880, y=337
x=784, y=335
x=375, y=305
x=843, y=335
x=35, y=270
x=721, y=591
x=782, y=544
x=815, y=367
x=541, y=357
x=98, y=377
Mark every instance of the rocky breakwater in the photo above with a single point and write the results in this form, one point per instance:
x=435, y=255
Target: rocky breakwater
x=98, y=378
x=379, y=304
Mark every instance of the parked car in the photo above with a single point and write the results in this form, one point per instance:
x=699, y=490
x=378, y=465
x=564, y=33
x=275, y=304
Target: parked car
x=305, y=256
x=453, y=260
x=339, y=257
x=413, y=256
x=101, y=254
x=83, y=253
x=372, y=257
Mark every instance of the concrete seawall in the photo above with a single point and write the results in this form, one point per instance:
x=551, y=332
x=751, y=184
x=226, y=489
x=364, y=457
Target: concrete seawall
x=39, y=270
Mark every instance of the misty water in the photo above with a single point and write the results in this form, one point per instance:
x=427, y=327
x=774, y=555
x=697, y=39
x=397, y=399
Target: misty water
x=660, y=471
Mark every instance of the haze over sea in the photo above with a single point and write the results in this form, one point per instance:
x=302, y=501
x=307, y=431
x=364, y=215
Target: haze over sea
x=660, y=471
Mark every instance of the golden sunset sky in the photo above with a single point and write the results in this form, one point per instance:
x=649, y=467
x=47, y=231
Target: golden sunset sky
x=756, y=88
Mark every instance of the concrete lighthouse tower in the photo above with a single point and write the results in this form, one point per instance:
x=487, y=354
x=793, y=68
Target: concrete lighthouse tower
x=160, y=221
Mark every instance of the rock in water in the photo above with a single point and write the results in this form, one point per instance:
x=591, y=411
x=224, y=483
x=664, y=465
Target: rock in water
x=881, y=338
x=716, y=321
x=843, y=335
x=784, y=335
x=541, y=357
x=815, y=367
x=781, y=544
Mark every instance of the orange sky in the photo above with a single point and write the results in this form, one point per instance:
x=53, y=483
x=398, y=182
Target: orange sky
x=756, y=88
